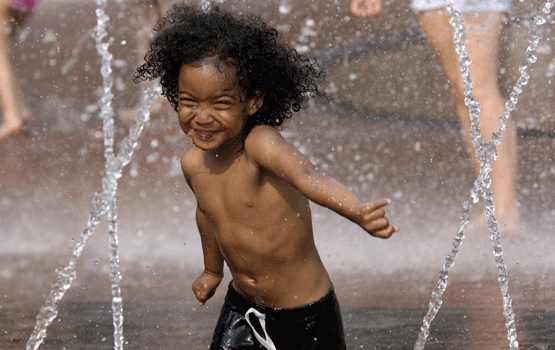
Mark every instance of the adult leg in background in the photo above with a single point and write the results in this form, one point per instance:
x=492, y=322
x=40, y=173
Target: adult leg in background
x=12, y=100
x=483, y=41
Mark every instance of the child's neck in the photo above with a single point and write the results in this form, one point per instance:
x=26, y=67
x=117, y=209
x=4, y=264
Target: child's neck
x=227, y=154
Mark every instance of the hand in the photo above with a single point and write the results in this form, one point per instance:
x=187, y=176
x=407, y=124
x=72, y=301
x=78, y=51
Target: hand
x=366, y=8
x=205, y=286
x=371, y=217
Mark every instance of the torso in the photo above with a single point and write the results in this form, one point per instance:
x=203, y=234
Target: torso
x=264, y=231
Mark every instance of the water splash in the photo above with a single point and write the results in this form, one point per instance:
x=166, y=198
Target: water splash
x=110, y=181
x=104, y=201
x=285, y=7
x=486, y=156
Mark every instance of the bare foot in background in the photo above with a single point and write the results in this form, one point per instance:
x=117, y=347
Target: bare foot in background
x=12, y=124
x=366, y=8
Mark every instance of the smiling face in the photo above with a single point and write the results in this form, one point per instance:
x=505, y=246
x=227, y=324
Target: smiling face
x=212, y=108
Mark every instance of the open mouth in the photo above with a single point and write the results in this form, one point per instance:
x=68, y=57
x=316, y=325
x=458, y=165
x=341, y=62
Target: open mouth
x=205, y=135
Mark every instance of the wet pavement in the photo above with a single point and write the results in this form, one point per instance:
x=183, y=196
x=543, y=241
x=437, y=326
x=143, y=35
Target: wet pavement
x=375, y=143
x=173, y=326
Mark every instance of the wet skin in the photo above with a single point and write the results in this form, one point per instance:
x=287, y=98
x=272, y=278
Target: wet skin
x=253, y=197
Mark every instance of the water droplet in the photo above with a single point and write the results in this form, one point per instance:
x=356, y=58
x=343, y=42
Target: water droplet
x=285, y=8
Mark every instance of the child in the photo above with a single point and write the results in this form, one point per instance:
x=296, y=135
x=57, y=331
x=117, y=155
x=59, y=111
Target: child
x=232, y=83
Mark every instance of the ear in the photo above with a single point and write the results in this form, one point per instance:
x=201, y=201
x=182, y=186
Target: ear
x=255, y=103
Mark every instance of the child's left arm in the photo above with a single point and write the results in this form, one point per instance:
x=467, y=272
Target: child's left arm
x=267, y=148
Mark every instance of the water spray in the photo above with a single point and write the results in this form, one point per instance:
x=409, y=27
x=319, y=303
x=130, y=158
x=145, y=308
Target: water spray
x=104, y=201
x=486, y=155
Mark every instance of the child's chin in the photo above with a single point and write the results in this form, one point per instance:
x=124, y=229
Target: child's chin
x=201, y=145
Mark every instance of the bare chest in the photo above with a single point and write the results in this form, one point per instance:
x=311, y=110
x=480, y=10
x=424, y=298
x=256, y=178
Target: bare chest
x=228, y=192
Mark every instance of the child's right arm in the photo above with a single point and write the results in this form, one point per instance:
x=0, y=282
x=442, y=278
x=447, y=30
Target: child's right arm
x=205, y=285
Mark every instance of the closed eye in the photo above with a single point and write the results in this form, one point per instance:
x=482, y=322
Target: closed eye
x=223, y=104
x=187, y=101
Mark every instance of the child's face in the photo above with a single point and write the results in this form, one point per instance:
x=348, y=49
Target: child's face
x=212, y=108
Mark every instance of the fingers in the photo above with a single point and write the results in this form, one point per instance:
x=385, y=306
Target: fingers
x=370, y=208
x=373, y=219
x=202, y=292
x=203, y=295
x=199, y=295
x=380, y=224
x=385, y=233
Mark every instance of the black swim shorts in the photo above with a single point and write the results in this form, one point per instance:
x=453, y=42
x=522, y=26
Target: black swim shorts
x=316, y=326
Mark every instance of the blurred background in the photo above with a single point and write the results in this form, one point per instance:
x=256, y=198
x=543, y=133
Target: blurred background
x=391, y=131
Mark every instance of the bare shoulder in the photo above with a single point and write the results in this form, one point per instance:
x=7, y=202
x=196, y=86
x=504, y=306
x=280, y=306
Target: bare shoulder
x=262, y=134
x=191, y=160
x=263, y=140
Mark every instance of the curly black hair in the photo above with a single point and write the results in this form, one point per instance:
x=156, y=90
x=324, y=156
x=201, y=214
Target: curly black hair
x=263, y=65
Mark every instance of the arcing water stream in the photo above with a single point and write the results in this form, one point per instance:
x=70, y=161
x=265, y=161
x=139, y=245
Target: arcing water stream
x=486, y=156
x=104, y=201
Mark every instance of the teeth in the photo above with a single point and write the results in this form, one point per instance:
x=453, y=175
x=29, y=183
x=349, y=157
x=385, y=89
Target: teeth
x=205, y=134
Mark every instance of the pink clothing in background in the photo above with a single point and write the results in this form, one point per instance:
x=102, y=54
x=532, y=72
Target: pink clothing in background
x=23, y=6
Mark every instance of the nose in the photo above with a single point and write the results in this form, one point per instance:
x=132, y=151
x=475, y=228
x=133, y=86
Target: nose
x=203, y=117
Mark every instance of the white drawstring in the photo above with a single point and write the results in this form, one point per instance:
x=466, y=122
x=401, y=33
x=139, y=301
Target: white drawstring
x=267, y=343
